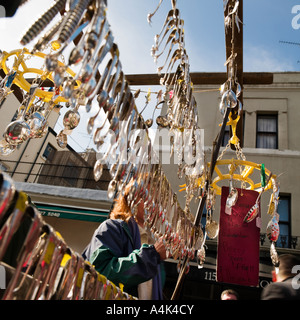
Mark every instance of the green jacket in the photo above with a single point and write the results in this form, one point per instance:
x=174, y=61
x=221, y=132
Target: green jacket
x=116, y=252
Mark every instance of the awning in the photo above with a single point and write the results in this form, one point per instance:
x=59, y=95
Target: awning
x=72, y=213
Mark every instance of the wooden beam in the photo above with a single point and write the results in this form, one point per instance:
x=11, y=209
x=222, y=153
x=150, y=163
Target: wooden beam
x=198, y=78
x=203, y=78
x=234, y=45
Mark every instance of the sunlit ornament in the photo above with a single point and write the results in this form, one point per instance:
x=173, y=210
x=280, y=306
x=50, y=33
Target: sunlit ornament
x=162, y=121
x=274, y=255
x=232, y=198
x=17, y=132
x=71, y=119
x=228, y=100
x=149, y=123
x=252, y=213
x=111, y=190
x=98, y=169
x=201, y=257
x=6, y=148
x=38, y=125
x=273, y=228
x=212, y=229
x=62, y=139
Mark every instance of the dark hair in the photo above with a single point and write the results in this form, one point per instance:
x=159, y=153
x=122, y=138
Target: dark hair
x=286, y=264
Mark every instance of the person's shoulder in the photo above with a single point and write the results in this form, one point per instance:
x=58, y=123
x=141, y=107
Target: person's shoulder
x=111, y=224
x=278, y=291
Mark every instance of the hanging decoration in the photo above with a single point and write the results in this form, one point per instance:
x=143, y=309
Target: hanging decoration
x=100, y=80
x=42, y=266
x=182, y=115
x=32, y=115
x=238, y=242
x=230, y=91
x=239, y=169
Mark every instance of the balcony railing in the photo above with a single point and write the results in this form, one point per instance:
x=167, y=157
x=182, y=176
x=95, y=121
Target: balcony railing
x=76, y=176
x=284, y=241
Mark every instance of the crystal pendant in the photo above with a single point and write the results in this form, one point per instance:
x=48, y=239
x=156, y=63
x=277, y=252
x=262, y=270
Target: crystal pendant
x=71, y=119
x=273, y=228
x=112, y=188
x=98, y=170
x=6, y=148
x=201, y=257
x=17, y=132
x=252, y=213
x=68, y=88
x=238, y=89
x=162, y=121
x=38, y=125
x=58, y=77
x=232, y=198
x=51, y=62
x=274, y=255
x=228, y=100
x=149, y=123
x=212, y=229
x=62, y=139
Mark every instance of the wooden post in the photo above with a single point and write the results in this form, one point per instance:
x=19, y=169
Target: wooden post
x=234, y=45
x=234, y=42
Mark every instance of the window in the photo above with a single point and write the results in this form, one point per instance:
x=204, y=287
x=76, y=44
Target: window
x=49, y=152
x=284, y=239
x=267, y=131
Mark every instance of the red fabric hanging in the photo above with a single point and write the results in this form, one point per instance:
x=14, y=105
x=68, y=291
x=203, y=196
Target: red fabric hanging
x=238, y=242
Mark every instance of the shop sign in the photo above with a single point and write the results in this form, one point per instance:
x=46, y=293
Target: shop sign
x=72, y=213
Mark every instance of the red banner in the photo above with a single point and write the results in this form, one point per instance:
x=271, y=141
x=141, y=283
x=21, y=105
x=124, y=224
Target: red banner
x=238, y=242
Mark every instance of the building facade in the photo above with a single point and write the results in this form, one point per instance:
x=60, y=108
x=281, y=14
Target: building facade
x=271, y=116
x=271, y=136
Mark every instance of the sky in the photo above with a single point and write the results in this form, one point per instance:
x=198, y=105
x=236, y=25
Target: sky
x=266, y=24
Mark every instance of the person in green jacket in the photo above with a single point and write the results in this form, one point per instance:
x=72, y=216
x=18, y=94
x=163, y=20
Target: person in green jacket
x=116, y=252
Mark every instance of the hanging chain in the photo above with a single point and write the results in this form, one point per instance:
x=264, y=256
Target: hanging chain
x=240, y=156
x=224, y=151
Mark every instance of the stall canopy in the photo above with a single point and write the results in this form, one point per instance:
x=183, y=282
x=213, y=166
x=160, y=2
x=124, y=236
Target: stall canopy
x=72, y=213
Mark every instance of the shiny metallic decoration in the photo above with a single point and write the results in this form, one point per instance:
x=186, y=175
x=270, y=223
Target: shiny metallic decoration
x=273, y=228
x=43, y=21
x=46, y=268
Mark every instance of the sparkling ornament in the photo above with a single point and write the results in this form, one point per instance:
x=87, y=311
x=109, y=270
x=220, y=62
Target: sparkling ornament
x=273, y=228
x=17, y=132
x=274, y=255
x=212, y=229
x=201, y=257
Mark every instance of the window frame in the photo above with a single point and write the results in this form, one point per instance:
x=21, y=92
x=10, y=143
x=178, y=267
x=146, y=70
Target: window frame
x=259, y=133
x=49, y=156
x=287, y=197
